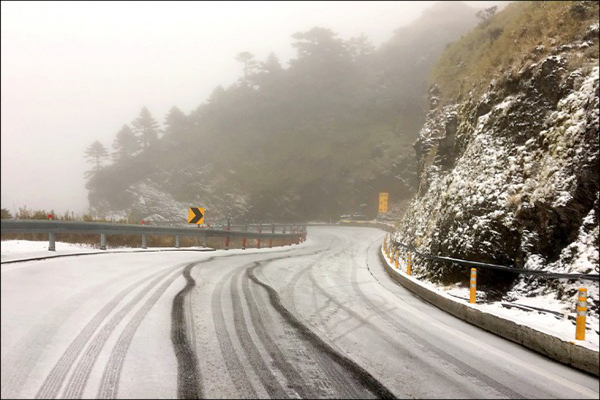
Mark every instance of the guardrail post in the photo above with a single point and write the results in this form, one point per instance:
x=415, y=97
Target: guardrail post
x=176, y=241
x=227, y=235
x=581, y=314
x=258, y=239
x=409, y=263
x=244, y=237
x=473, y=293
x=102, y=241
x=144, y=244
x=51, y=242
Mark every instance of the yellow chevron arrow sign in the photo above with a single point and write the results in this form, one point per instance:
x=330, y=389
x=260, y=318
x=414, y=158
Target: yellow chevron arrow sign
x=196, y=215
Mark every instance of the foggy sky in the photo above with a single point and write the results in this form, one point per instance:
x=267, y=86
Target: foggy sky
x=75, y=72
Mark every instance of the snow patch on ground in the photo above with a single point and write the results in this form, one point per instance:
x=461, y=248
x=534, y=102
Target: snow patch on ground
x=25, y=249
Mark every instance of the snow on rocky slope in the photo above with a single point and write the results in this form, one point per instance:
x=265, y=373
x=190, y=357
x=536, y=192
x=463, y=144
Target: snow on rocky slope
x=512, y=178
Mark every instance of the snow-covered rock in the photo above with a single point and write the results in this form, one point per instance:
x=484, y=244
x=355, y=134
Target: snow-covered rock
x=513, y=178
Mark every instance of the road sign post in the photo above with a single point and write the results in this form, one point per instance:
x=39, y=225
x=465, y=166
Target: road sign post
x=383, y=202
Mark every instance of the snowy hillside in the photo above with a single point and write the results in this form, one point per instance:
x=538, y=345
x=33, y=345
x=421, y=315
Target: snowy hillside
x=511, y=177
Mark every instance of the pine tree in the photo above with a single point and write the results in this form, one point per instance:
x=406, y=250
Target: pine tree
x=270, y=72
x=125, y=144
x=176, y=123
x=146, y=127
x=250, y=67
x=96, y=153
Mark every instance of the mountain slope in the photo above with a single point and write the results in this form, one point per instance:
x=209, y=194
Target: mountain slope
x=509, y=174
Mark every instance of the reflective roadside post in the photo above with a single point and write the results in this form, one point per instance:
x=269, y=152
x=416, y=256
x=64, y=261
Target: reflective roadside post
x=409, y=263
x=581, y=314
x=244, y=238
x=473, y=292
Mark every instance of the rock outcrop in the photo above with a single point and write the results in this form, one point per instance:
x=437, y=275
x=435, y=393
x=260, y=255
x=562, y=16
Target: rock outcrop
x=513, y=178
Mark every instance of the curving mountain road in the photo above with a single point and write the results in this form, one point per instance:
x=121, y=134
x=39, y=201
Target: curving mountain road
x=316, y=320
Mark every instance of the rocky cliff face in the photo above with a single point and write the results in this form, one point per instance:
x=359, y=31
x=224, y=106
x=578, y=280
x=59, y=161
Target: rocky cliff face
x=513, y=178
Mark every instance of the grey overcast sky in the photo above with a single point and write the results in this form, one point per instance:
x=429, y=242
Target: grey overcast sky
x=75, y=72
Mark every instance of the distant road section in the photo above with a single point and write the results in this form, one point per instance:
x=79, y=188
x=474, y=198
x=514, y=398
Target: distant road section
x=317, y=320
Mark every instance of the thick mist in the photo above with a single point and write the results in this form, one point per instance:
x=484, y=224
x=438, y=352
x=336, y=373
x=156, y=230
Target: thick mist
x=75, y=72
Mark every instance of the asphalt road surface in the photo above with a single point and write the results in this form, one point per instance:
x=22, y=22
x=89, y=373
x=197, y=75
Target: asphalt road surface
x=317, y=320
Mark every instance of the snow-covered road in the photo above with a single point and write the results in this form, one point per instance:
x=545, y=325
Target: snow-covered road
x=320, y=319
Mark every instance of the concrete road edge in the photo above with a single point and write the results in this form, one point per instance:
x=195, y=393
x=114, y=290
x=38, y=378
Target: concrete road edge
x=565, y=352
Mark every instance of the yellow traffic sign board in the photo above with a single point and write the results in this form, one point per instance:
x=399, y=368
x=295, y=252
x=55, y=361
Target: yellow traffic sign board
x=196, y=215
x=383, y=202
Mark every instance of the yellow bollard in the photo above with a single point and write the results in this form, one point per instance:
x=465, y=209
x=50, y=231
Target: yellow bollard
x=581, y=313
x=409, y=263
x=473, y=297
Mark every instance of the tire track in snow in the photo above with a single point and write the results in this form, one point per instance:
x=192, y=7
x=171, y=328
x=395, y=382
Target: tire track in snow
x=189, y=383
x=78, y=380
x=362, y=376
x=295, y=381
x=232, y=361
x=462, y=368
x=56, y=377
x=324, y=375
x=343, y=387
x=263, y=371
x=109, y=385
x=22, y=357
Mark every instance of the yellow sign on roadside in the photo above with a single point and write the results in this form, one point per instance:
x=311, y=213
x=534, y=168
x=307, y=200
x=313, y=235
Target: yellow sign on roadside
x=196, y=215
x=383, y=202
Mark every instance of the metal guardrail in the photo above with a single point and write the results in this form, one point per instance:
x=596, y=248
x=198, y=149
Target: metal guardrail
x=544, y=274
x=103, y=229
x=513, y=269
